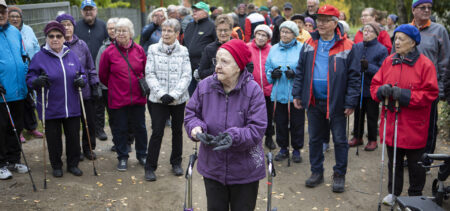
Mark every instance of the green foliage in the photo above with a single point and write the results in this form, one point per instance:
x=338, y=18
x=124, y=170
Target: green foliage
x=441, y=8
x=444, y=120
x=119, y=4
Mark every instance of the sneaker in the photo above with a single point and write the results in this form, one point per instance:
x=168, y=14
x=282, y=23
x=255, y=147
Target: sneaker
x=355, y=142
x=325, y=147
x=338, y=183
x=35, y=133
x=282, y=154
x=101, y=135
x=75, y=171
x=269, y=143
x=150, y=175
x=17, y=167
x=122, y=166
x=388, y=200
x=142, y=161
x=22, y=139
x=90, y=155
x=314, y=180
x=296, y=156
x=5, y=173
x=371, y=146
x=177, y=170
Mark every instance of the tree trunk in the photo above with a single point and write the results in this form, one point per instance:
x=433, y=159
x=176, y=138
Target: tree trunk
x=401, y=12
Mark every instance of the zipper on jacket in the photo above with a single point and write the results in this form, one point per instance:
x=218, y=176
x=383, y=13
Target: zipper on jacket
x=260, y=70
x=65, y=86
x=129, y=78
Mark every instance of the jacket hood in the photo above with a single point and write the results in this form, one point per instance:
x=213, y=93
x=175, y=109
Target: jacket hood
x=176, y=46
x=243, y=79
x=409, y=59
x=338, y=33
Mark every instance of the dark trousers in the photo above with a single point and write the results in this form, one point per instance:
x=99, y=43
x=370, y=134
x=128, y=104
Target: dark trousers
x=123, y=119
x=416, y=172
x=100, y=106
x=318, y=134
x=240, y=197
x=371, y=108
x=297, y=127
x=9, y=143
x=432, y=131
x=269, y=106
x=192, y=86
x=53, y=132
x=90, y=117
x=29, y=116
x=160, y=113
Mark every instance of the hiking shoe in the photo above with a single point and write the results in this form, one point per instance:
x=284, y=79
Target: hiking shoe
x=75, y=171
x=314, y=180
x=150, y=175
x=177, y=170
x=142, y=161
x=338, y=183
x=325, y=147
x=57, y=172
x=90, y=155
x=282, y=155
x=269, y=143
x=18, y=167
x=22, y=139
x=371, y=146
x=388, y=200
x=122, y=165
x=5, y=173
x=101, y=135
x=296, y=156
x=355, y=142
x=81, y=156
x=35, y=133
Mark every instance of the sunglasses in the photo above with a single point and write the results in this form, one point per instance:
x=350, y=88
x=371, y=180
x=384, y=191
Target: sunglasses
x=52, y=36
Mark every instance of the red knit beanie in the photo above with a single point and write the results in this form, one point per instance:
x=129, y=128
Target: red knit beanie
x=240, y=52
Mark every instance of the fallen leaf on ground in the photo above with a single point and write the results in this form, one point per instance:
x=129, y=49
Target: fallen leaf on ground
x=37, y=201
x=119, y=180
x=314, y=208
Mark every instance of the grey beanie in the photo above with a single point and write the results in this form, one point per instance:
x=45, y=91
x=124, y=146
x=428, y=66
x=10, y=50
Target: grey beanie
x=264, y=28
x=291, y=26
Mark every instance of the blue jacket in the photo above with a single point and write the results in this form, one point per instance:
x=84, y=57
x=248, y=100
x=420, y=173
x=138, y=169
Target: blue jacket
x=29, y=40
x=13, y=69
x=375, y=53
x=284, y=57
x=343, y=74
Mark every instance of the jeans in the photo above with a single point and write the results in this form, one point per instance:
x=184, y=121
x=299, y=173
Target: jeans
x=9, y=143
x=53, y=132
x=318, y=134
x=297, y=127
x=132, y=116
x=160, y=113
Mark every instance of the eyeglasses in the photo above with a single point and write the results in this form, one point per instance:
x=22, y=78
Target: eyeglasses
x=14, y=17
x=52, y=36
x=285, y=32
x=262, y=35
x=368, y=31
x=424, y=8
x=323, y=20
x=121, y=31
x=219, y=31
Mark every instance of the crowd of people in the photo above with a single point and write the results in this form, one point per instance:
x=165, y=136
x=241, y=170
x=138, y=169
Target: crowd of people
x=227, y=78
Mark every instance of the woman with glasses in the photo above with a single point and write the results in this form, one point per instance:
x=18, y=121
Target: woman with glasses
x=121, y=67
x=151, y=33
x=58, y=70
x=369, y=15
x=280, y=71
x=168, y=73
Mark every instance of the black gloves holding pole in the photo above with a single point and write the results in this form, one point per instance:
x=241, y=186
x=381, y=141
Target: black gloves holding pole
x=364, y=65
x=79, y=82
x=221, y=142
x=403, y=96
x=276, y=73
x=41, y=81
x=290, y=74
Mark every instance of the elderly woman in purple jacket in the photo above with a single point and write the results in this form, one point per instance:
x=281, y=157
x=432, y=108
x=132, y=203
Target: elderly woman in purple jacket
x=90, y=92
x=57, y=71
x=227, y=114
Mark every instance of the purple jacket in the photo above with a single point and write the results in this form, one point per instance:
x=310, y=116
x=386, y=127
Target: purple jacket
x=242, y=114
x=80, y=48
x=62, y=98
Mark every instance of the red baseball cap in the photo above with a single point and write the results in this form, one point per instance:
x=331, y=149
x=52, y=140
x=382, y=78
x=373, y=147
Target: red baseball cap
x=328, y=10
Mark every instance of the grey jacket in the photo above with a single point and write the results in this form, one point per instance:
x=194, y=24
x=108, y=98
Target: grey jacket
x=105, y=45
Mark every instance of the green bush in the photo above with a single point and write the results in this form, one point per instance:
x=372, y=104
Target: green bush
x=444, y=120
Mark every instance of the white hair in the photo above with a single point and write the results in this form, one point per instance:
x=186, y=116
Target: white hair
x=173, y=23
x=316, y=1
x=112, y=21
x=172, y=8
x=125, y=22
x=184, y=11
x=345, y=25
x=160, y=9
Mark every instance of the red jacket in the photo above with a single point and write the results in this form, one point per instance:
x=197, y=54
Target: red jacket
x=416, y=73
x=383, y=38
x=259, y=56
x=122, y=83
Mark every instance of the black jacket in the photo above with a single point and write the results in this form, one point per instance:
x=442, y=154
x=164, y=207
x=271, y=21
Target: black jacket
x=197, y=36
x=447, y=85
x=277, y=21
x=93, y=35
x=206, y=67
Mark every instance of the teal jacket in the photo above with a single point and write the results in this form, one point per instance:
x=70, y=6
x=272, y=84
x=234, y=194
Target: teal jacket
x=284, y=57
x=13, y=68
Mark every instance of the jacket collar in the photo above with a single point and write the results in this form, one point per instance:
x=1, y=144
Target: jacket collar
x=370, y=43
x=410, y=58
x=243, y=79
x=73, y=41
x=202, y=20
x=123, y=48
x=175, y=47
x=46, y=49
x=424, y=26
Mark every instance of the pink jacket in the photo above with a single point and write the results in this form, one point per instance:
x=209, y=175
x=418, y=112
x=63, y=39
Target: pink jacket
x=259, y=56
x=122, y=83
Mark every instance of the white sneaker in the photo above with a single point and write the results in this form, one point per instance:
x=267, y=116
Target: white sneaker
x=5, y=173
x=17, y=167
x=388, y=200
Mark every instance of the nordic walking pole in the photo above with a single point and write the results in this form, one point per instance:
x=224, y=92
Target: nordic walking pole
x=18, y=140
x=289, y=123
x=360, y=116
x=188, y=191
x=44, y=137
x=271, y=174
x=395, y=154
x=386, y=100
x=87, y=128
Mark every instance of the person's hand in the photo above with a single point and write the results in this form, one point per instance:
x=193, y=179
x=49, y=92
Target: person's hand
x=249, y=67
x=79, y=82
x=96, y=91
x=41, y=81
x=196, y=76
x=2, y=89
x=290, y=74
x=207, y=139
x=298, y=104
x=364, y=65
x=195, y=131
x=276, y=73
x=167, y=99
x=348, y=111
x=385, y=91
x=224, y=141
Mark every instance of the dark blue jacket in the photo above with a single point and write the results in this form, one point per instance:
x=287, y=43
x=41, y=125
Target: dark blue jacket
x=375, y=53
x=343, y=74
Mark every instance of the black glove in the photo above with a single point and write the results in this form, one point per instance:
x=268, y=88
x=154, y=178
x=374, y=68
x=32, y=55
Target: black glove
x=403, y=96
x=167, y=99
x=207, y=139
x=224, y=141
x=96, y=91
x=41, y=81
x=364, y=65
x=384, y=91
x=276, y=73
x=2, y=89
x=249, y=67
x=290, y=74
x=79, y=82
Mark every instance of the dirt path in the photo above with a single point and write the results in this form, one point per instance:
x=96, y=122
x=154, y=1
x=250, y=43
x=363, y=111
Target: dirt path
x=113, y=190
